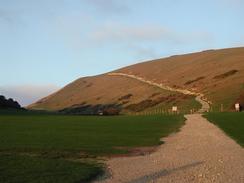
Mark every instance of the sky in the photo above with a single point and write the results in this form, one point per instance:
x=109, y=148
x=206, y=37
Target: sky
x=46, y=44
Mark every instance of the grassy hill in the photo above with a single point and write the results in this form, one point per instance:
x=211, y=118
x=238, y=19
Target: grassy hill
x=218, y=74
x=102, y=91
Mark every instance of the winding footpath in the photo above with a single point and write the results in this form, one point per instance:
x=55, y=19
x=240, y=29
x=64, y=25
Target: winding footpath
x=199, y=96
x=200, y=152
x=162, y=86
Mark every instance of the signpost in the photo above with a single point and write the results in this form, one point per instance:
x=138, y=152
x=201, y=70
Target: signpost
x=175, y=109
x=237, y=107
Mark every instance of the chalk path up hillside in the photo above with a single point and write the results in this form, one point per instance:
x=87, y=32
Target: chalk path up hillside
x=200, y=152
x=199, y=96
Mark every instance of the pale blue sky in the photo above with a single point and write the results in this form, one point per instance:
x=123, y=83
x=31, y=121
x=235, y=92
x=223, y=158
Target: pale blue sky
x=45, y=44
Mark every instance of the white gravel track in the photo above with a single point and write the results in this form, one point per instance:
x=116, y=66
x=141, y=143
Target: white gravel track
x=200, y=152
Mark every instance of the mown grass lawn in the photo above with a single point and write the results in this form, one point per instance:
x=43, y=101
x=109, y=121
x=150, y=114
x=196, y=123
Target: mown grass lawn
x=39, y=144
x=232, y=123
x=22, y=168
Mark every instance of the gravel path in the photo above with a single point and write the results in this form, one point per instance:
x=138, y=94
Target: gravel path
x=200, y=152
x=205, y=105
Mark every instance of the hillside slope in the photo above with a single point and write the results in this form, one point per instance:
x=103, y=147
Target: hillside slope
x=88, y=95
x=218, y=74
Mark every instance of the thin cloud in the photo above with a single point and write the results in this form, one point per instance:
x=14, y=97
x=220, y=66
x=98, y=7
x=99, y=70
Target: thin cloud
x=137, y=33
x=136, y=39
x=143, y=39
x=109, y=6
x=145, y=33
x=146, y=52
x=8, y=16
x=27, y=94
x=234, y=2
x=238, y=43
x=237, y=4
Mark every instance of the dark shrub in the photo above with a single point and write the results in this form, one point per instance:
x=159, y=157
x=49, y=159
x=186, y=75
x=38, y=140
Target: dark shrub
x=8, y=103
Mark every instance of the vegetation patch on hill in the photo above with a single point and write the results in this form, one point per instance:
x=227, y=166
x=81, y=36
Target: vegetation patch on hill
x=83, y=109
x=226, y=74
x=232, y=123
x=155, y=94
x=172, y=99
x=125, y=97
x=194, y=80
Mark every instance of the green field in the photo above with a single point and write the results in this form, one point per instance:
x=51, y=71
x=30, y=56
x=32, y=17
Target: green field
x=67, y=148
x=231, y=123
x=22, y=168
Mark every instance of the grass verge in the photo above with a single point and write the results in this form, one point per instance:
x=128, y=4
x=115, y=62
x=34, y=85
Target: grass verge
x=231, y=123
